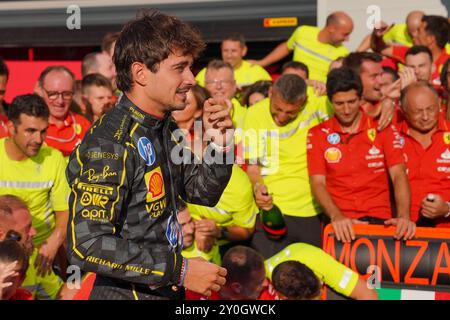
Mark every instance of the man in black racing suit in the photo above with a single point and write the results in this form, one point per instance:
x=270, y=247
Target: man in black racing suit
x=126, y=176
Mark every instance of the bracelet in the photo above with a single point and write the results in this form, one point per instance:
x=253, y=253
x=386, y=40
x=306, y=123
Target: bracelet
x=219, y=148
x=184, y=265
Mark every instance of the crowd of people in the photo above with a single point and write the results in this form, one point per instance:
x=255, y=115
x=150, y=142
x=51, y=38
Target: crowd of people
x=89, y=176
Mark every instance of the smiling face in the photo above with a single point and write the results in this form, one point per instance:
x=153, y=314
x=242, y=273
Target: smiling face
x=57, y=91
x=168, y=87
x=220, y=83
x=341, y=31
x=283, y=112
x=370, y=74
x=233, y=52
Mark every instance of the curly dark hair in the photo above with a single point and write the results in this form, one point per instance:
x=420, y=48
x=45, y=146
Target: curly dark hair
x=150, y=39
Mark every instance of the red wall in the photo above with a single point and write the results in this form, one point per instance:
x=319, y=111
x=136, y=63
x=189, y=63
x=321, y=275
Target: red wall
x=23, y=75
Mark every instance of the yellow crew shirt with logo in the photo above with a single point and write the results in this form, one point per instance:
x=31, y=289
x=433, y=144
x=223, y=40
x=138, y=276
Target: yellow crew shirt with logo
x=313, y=53
x=40, y=182
x=247, y=74
x=281, y=153
x=325, y=267
x=236, y=207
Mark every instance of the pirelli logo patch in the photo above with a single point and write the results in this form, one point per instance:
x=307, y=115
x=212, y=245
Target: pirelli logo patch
x=95, y=188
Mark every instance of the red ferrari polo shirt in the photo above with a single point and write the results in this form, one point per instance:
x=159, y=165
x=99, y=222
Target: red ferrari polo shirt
x=68, y=135
x=355, y=165
x=428, y=169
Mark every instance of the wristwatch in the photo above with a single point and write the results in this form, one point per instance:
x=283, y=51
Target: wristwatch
x=224, y=233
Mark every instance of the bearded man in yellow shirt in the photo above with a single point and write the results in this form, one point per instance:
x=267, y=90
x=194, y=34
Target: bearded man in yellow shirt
x=34, y=172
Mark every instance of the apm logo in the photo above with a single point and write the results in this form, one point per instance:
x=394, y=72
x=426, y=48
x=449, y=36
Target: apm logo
x=74, y=20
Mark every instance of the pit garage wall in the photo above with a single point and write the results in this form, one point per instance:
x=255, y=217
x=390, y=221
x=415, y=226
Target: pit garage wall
x=390, y=10
x=21, y=22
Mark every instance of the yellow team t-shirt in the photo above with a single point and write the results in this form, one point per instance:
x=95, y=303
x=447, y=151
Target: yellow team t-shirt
x=40, y=182
x=42, y=287
x=238, y=114
x=281, y=154
x=313, y=53
x=247, y=74
x=236, y=207
x=399, y=35
x=334, y=274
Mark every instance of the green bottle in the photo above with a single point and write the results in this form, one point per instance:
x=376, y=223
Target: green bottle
x=273, y=222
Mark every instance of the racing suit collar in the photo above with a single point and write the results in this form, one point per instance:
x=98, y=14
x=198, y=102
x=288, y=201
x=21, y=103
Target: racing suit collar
x=144, y=118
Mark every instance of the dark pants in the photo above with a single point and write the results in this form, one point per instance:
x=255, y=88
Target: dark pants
x=307, y=230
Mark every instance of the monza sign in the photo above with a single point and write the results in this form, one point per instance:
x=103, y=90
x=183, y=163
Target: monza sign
x=423, y=261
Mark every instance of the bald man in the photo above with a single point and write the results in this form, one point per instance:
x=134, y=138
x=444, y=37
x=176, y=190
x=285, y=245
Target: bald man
x=399, y=34
x=426, y=139
x=315, y=47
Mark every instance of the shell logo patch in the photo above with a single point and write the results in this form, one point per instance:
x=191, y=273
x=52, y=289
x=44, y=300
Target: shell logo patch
x=447, y=137
x=155, y=185
x=333, y=155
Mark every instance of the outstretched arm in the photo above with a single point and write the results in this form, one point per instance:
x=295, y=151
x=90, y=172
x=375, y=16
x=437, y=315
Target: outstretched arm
x=275, y=55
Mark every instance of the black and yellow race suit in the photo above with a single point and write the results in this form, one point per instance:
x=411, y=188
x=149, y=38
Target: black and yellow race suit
x=125, y=179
